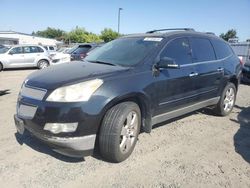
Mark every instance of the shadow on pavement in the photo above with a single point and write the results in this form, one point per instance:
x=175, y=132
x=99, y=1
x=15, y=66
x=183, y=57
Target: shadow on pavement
x=37, y=145
x=4, y=92
x=20, y=69
x=242, y=137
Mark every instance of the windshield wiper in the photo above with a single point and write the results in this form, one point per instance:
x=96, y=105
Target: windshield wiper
x=102, y=62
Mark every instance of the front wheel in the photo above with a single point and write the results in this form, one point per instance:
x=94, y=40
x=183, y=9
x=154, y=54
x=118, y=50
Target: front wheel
x=227, y=100
x=43, y=64
x=119, y=131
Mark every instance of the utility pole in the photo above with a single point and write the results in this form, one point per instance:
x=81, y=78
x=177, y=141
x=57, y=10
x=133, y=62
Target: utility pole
x=119, y=13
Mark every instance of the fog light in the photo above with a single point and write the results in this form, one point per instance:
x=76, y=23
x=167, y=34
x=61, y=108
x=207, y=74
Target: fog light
x=60, y=127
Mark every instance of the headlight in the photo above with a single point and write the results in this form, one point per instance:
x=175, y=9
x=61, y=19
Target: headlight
x=75, y=93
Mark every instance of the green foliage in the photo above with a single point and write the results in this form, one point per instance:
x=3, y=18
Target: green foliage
x=108, y=35
x=78, y=35
x=51, y=33
x=232, y=33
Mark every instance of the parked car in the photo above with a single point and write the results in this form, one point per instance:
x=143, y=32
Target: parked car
x=79, y=51
x=60, y=57
x=64, y=50
x=242, y=49
x=127, y=85
x=21, y=56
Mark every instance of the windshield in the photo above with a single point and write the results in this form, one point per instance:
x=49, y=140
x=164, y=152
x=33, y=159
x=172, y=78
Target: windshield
x=70, y=51
x=3, y=50
x=124, y=51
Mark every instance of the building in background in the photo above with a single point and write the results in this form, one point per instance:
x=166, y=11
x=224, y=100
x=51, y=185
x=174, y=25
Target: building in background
x=12, y=38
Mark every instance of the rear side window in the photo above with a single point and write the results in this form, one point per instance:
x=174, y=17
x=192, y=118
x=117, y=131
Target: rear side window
x=40, y=49
x=222, y=49
x=202, y=50
x=51, y=48
x=178, y=50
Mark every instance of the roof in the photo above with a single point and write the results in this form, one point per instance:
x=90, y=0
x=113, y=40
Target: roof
x=171, y=33
x=20, y=33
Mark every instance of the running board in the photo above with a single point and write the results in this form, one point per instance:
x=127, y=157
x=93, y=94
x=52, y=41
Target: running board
x=169, y=115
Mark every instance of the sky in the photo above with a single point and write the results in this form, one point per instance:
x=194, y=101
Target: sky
x=137, y=16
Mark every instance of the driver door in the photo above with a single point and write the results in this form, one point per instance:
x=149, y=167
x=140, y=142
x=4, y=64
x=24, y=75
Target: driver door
x=16, y=57
x=176, y=87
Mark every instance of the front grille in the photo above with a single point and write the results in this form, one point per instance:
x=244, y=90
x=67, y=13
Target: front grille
x=32, y=92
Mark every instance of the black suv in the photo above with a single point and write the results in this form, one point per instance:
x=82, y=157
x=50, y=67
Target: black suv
x=127, y=86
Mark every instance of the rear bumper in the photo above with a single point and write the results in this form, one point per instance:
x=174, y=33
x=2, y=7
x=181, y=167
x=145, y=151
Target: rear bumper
x=245, y=76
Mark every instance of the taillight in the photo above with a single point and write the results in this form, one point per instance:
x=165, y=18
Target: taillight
x=241, y=60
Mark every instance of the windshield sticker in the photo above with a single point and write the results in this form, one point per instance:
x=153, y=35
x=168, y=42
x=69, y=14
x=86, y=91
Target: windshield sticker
x=154, y=39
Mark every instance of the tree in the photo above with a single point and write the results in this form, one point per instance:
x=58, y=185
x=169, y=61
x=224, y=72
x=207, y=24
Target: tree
x=232, y=33
x=50, y=33
x=80, y=35
x=108, y=34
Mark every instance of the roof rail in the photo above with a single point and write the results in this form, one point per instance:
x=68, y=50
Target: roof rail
x=172, y=29
x=210, y=33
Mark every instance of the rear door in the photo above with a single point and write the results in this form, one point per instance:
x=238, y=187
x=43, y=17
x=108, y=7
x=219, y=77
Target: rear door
x=175, y=87
x=210, y=70
x=29, y=55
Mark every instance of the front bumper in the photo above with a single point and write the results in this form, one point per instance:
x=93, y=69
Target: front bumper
x=69, y=146
x=35, y=113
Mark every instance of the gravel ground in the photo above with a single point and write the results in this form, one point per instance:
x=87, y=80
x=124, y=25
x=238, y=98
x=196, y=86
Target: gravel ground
x=196, y=150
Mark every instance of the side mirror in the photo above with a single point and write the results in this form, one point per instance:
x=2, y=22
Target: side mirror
x=166, y=63
x=11, y=53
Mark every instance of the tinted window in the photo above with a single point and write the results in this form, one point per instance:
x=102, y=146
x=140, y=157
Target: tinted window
x=178, y=50
x=17, y=50
x=222, y=49
x=82, y=50
x=202, y=50
x=51, y=48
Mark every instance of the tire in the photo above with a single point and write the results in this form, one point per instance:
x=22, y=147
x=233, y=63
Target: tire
x=227, y=100
x=119, y=131
x=1, y=67
x=42, y=64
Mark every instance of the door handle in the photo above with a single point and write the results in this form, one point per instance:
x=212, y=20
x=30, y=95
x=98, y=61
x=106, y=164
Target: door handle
x=193, y=74
x=220, y=69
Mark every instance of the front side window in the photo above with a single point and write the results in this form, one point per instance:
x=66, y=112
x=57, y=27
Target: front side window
x=178, y=50
x=202, y=50
x=125, y=51
x=17, y=50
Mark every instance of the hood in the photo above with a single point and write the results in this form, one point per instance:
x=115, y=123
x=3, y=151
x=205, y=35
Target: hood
x=73, y=72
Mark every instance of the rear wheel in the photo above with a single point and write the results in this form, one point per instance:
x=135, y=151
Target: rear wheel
x=227, y=100
x=119, y=131
x=43, y=64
